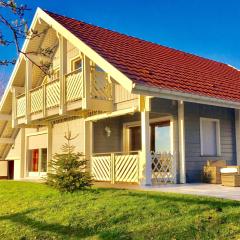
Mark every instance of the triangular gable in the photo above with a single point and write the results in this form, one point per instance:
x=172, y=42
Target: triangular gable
x=86, y=50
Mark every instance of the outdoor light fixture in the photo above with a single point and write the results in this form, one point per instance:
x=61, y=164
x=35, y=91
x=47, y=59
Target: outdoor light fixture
x=108, y=131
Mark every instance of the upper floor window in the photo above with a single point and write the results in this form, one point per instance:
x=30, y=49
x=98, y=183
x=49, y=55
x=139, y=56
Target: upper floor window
x=76, y=63
x=210, y=137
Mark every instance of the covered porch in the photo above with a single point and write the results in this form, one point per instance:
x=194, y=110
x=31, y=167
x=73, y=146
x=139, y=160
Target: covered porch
x=138, y=147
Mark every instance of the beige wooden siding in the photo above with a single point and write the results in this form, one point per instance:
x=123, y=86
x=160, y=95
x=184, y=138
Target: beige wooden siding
x=3, y=168
x=72, y=52
x=15, y=151
x=38, y=141
x=76, y=127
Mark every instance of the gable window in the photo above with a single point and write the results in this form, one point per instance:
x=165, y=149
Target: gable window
x=210, y=137
x=76, y=63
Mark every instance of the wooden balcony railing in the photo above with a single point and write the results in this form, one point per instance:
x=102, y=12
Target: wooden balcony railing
x=36, y=98
x=21, y=105
x=101, y=88
x=74, y=86
x=47, y=96
x=43, y=99
x=52, y=94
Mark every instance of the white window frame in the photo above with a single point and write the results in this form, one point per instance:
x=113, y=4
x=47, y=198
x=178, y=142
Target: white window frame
x=218, y=138
x=73, y=60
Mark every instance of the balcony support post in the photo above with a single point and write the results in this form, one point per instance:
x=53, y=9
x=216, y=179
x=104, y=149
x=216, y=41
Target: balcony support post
x=14, y=108
x=28, y=87
x=86, y=82
x=62, y=73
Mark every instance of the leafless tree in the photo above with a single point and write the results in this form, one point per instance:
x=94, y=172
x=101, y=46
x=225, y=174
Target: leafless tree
x=12, y=20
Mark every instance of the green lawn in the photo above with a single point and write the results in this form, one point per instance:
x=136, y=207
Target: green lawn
x=35, y=211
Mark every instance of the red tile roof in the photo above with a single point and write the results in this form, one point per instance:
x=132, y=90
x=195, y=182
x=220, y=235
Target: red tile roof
x=151, y=64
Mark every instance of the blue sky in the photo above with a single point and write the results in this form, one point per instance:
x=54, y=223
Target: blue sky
x=203, y=27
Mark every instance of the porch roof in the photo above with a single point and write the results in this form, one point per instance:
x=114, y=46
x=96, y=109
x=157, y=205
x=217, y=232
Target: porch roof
x=153, y=65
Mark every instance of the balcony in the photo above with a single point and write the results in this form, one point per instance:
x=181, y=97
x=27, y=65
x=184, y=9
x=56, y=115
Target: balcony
x=55, y=98
x=44, y=101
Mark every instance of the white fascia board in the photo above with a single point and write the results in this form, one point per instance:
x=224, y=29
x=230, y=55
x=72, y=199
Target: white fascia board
x=88, y=51
x=188, y=97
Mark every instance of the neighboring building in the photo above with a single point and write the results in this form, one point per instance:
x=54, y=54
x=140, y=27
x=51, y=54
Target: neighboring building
x=142, y=113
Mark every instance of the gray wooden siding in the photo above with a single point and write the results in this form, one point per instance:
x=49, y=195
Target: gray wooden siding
x=194, y=160
x=102, y=143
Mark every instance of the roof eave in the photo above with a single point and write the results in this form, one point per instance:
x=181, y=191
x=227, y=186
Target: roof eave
x=183, y=96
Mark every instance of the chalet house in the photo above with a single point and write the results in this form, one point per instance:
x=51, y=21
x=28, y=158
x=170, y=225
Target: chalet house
x=143, y=113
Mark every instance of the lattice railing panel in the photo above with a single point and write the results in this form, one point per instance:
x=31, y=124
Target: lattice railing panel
x=126, y=168
x=74, y=86
x=36, y=97
x=52, y=94
x=21, y=106
x=116, y=167
x=163, y=167
x=101, y=88
x=101, y=167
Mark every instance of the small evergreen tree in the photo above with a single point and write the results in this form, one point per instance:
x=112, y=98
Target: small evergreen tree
x=68, y=171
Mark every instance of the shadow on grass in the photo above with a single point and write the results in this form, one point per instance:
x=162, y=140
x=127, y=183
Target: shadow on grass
x=62, y=230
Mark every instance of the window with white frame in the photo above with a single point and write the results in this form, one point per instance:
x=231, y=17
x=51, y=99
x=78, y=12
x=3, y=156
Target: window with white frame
x=210, y=137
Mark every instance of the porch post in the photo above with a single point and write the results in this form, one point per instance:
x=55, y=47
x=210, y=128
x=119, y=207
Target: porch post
x=237, y=133
x=62, y=72
x=181, y=137
x=28, y=87
x=86, y=82
x=146, y=161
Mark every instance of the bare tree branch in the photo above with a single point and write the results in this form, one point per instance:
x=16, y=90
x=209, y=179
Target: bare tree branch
x=19, y=31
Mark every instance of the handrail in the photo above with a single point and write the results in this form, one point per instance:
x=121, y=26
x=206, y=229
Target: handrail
x=20, y=95
x=74, y=71
x=123, y=153
x=36, y=88
x=53, y=81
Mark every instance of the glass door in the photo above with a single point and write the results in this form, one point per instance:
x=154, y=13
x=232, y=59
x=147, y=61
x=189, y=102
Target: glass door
x=161, y=137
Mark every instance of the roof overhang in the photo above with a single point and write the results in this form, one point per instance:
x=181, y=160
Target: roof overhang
x=188, y=97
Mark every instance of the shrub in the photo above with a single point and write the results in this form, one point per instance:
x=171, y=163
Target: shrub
x=68, y=170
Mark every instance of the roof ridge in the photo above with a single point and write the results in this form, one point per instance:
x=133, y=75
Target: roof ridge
x=146, y=41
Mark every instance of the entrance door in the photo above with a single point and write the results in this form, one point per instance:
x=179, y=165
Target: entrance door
x=10, y=169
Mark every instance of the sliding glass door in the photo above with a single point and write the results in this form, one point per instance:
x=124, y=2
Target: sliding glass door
x=160, y=139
